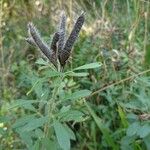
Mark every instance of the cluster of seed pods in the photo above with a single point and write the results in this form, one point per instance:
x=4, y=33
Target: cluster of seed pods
x=60, y=49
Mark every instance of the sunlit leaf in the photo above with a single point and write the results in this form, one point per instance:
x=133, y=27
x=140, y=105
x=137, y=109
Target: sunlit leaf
x=89, y=66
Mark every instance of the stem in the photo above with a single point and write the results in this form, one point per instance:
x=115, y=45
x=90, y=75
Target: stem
x=118, y=82
x=52, y=107
x=1, y=48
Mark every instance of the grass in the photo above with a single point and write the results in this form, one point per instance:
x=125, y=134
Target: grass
x=104, y=107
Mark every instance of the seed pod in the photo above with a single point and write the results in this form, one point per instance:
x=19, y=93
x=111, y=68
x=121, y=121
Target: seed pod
x=62, y=32
x=30, y=41
x=65, y=53
x=43, y=46
x=54, y=42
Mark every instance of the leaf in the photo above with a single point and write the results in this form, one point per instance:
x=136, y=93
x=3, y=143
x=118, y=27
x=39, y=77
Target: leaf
x=123, y=117
x=36, y=86
x=62, y=135
x=146, y=141
x=77, y=95
x=144, y=131
x=36, y=146
x=88, y=66
x=34, y=124
x=26, y=138
x=39, y=133
x=106, y=133
x=65, y=109
x=78, y=74
x=133, y=128
x=23, y=120
x=40, y=61
x=29, y=107
x=147, y=56
x=21, y=103
x=47, y=144
x=72, y=115
x=70, y=132
x=51, y=73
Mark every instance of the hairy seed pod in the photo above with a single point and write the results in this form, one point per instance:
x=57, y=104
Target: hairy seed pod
x=62, y=32
x=54, y=42
x=39, y=42
x=30, y=41
x=65, y=53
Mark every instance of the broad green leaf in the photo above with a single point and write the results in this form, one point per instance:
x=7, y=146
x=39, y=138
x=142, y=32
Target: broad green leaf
x=23, y=120
x=106, y=133
x=126, y=143
x=47, y=144
x=133, y=128
x=70, y=132
x=26, y=138
x=4, y=119
x=77, y=95
x=146, y=141
x=88, y=66
x=34, y=124
x=65, y=109
x=36, y=146
x=144, y=131
x=62, y=135
x=39, y=133
x=72, y=115
x=29, y=107
x=21, y=103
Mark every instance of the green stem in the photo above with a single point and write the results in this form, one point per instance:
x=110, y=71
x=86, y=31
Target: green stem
x=52, y=107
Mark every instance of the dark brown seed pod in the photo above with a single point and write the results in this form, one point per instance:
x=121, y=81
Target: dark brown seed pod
x=65, y=53
x=54, y=42
x=39, y=42
x=62, y=32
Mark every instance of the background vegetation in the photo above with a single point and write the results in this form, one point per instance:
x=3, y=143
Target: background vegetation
x=102, y=108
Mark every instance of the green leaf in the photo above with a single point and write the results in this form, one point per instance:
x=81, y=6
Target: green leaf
x=29, y=107
x=123, y=117
x=146, y=141
x=36, y=146
x=37, y=84
x=147, y=56
x=88, y=66
x=34, y=124
x=40, y=61
x=77, y=95
x=77, y=74
x=26, y=138
x=21, y=103
x=47, y=144
x=133, y=128
x=106, y=133
x=62, y=135
x=23, y=120
x=144, y=131
x=52, y=73
x=70, y=132
x=39, y=133
x=72, y=115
